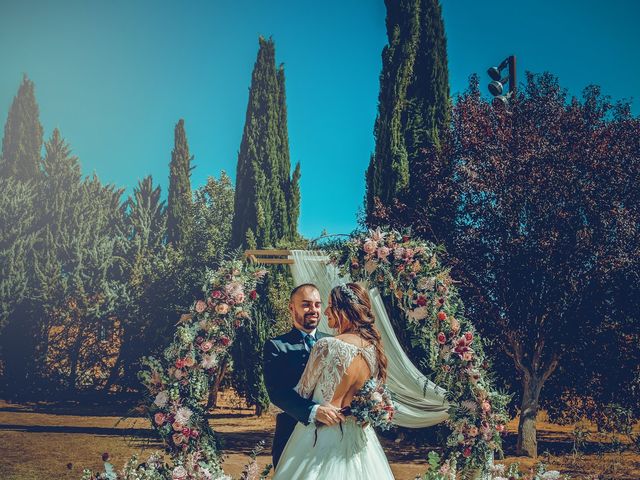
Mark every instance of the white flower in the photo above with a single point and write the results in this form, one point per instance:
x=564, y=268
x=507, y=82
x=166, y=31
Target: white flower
x=208, y=361
x=183, y=415
x=419, y=313
x=425, y=283
x=376, y=397
x=179, y=473
x=161, y=399
x=551, y=475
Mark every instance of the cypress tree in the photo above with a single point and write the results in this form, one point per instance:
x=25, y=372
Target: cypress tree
x=22, y=141
x=413, y=104
x=265, y=195
x=179, y=209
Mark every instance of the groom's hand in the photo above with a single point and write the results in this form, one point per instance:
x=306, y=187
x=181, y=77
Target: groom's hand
x=329, y=415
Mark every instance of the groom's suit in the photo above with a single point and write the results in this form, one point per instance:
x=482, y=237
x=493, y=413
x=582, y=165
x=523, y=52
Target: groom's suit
x=284, y=360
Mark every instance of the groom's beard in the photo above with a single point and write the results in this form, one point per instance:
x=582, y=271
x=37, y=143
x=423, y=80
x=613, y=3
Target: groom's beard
x=309, y=321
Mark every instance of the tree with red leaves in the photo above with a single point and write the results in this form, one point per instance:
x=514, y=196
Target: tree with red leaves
x=539, y=207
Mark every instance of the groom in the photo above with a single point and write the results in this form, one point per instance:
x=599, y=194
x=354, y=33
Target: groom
x=284, y=360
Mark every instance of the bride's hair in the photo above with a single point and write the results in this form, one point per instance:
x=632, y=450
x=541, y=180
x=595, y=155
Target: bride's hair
x=354, y=302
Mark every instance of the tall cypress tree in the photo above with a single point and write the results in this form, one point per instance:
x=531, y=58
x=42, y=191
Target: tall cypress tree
x=22, y=141
x=179, y=209
x=413, y=104
x=265, y=196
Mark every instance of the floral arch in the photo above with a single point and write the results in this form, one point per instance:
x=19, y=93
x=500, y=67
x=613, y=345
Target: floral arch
x=401, y=268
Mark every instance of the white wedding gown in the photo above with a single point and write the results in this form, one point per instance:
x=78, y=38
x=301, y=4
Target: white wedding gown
x=332, y=453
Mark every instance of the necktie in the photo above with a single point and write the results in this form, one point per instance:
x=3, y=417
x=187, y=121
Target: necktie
x=310, y=341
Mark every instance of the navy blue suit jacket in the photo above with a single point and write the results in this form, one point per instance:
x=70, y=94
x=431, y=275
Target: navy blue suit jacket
x=285, y=358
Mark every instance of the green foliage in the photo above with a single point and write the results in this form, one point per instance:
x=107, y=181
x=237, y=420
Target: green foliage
x=413, y=104
x=17, y=241
x=179, y=214
x=76, y=287
x=213, y=214
x=267, y=197
x=22, y=141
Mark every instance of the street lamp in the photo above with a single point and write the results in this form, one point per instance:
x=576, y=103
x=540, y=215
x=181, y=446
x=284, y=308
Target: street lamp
x=496, y=87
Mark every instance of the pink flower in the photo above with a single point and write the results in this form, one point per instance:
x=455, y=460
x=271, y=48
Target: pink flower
x=466, y=453
x=383, y=253
x=189, y=362
x=177, y=426
x=253, y=294
x=225, y=340
x=222, y=308
x=442, y=338
x=369, y=246
x=486, y=406
x=500, y=427
x=442, y=316
x=444, y=469
x=467, y=356
x=200, y=306
x=473, y=431
x=206, y=346
x=180, y=363
x=370, y=266
x=216, y=294
x=159, y=418
x=239, y=297
x=398, y=252
x=468, y=337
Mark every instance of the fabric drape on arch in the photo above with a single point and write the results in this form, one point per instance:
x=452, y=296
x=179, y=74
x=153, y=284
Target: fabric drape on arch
x=421, y=403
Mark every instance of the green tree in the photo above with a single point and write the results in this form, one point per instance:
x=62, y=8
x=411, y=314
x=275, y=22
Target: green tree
x=179, y=214
x=22, y=141
x=213, y=215
x=413, y=104
x=265, y=195
x=78, y=287
x=145, y=220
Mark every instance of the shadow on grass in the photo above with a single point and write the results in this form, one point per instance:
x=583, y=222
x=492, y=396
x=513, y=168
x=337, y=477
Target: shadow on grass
x=101, y=409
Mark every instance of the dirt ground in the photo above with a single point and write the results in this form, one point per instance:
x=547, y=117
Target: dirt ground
x=57, y=441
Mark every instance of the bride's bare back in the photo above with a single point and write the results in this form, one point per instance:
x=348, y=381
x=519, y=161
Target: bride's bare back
x=356, y=374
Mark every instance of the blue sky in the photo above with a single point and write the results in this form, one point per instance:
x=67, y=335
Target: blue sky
x=115, y=76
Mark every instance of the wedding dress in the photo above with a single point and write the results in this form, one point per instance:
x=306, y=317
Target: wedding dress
x=344, y=451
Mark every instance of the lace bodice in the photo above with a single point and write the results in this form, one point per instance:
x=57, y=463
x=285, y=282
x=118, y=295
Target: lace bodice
x=329, y=360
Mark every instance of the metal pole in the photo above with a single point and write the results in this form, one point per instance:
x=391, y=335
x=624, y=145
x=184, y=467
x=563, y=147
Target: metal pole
x=512, y=74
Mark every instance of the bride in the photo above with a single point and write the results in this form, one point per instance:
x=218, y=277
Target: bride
x=337, y=368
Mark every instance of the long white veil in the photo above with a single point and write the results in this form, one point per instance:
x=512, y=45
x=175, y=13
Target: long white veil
x=421, y=403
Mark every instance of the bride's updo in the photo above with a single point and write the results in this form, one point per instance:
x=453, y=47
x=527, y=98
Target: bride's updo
x=354, y=303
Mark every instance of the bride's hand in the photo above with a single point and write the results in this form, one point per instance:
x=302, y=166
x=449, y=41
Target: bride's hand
x=329, y=415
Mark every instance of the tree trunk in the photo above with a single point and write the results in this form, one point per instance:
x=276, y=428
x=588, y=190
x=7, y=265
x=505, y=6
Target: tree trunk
x=527, y=440
x=74, y=355
x=215, y=386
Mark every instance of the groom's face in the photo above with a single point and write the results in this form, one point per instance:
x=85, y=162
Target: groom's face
x=305, y=307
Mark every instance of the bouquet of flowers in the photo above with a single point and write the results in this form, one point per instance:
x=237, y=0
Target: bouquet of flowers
x=372, y=405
